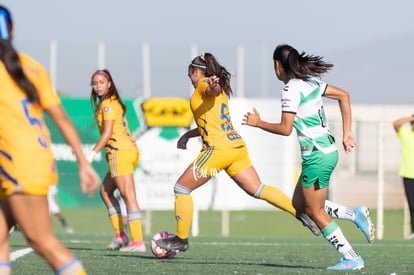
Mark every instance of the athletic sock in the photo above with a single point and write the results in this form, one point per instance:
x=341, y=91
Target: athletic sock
x=183, y=214
x=114, y=213
x=135, y=225
x=275, y=197
x=337, y=211
x=73, y=267
x=333, y=234
x=5, y=268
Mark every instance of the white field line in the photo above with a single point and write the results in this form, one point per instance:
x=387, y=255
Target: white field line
x=20, y=253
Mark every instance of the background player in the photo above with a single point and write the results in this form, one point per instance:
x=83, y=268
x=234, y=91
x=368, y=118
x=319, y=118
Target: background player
x=122, y=155
x=54, y=208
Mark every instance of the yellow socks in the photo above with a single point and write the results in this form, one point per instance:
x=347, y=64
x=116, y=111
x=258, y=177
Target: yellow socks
x=135, y=225
x=115, y=216
x=73, y=267
x=275, y=197
x=183, y=214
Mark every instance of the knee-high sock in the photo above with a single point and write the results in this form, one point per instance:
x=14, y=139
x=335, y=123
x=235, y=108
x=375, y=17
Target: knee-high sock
x=135, y=225
x=5, y=268
x=183, y=214
x=73, y=267
x=333, y=234
x=114, y=213
x=337, y=211
x=275, y=197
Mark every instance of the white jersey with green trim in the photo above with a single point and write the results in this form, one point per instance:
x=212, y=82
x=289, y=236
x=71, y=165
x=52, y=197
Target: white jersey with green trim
x=304, y=98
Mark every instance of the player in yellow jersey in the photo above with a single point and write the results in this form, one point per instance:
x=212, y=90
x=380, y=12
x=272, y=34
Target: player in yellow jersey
x=122, y=155
x=406, y=135
x=27, y=166
x=223, y=149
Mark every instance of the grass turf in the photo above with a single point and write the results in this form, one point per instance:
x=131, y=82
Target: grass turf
x=260, y=242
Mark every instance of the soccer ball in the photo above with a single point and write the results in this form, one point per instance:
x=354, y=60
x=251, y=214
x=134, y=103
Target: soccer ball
x=159, y=252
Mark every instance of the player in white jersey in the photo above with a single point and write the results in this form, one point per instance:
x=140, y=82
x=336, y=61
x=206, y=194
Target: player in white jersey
x=302, y=109
x=54, y=208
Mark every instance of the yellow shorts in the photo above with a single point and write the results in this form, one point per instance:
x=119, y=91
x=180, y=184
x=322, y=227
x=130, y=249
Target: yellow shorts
x=26, y=174
x=211, y=161
x=123, y=161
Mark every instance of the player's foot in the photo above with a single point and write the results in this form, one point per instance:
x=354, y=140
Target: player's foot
x=411, y=237
x=138, y=246
x=118, y=241
x=364, y=223
x=68, y=230
x=309, y=223
x=345, y=264
x=174, y=243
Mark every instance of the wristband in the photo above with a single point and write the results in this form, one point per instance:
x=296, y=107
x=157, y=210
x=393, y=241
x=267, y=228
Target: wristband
x=91, y=156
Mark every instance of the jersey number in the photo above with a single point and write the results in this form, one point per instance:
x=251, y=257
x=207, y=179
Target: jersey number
x=322, y=117
x=35, y=122
x=226, y=125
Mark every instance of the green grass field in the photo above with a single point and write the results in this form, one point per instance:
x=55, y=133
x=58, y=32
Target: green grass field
x=260, y=242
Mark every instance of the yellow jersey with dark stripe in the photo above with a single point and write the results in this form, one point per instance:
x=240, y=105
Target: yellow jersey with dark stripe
x=26, y=159
x=121, y=138
x=211, y=114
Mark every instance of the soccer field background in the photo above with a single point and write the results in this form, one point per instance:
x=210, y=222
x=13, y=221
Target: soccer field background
x=260, y=242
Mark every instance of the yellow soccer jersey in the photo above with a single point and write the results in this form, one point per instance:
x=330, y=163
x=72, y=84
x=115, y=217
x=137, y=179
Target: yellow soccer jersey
x=26, y=158
x=406, y=136
x=212, y=117
x=121, y=138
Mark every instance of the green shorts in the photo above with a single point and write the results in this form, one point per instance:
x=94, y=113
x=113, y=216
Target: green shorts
x=317, y=169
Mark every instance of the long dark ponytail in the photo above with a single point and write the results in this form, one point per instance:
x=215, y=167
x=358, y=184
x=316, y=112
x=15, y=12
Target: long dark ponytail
x=210, y=66
x=297, y=65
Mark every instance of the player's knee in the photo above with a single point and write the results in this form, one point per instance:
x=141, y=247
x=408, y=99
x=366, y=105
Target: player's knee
x=42, y=245
x=258, y=192
x=181, y=189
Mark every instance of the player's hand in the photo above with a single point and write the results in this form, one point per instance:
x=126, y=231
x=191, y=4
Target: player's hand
x=89, y=179
x=251, y=119
x=213, y=81
x=348, y=142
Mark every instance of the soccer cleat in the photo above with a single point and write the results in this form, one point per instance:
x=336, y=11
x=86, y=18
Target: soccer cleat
x=68, y=230
x=309, y=223
x=138, y=246
x=118, y=241
x=364, y=223
x=173, y=243
x=348, y=264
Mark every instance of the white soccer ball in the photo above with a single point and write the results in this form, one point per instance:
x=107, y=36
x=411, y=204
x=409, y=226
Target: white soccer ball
x=159, y=252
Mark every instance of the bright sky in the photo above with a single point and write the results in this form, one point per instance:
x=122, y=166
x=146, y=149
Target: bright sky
x=369, y=41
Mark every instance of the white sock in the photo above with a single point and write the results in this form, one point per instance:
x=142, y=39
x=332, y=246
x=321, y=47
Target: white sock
x=337, y=211
x=338, y=240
